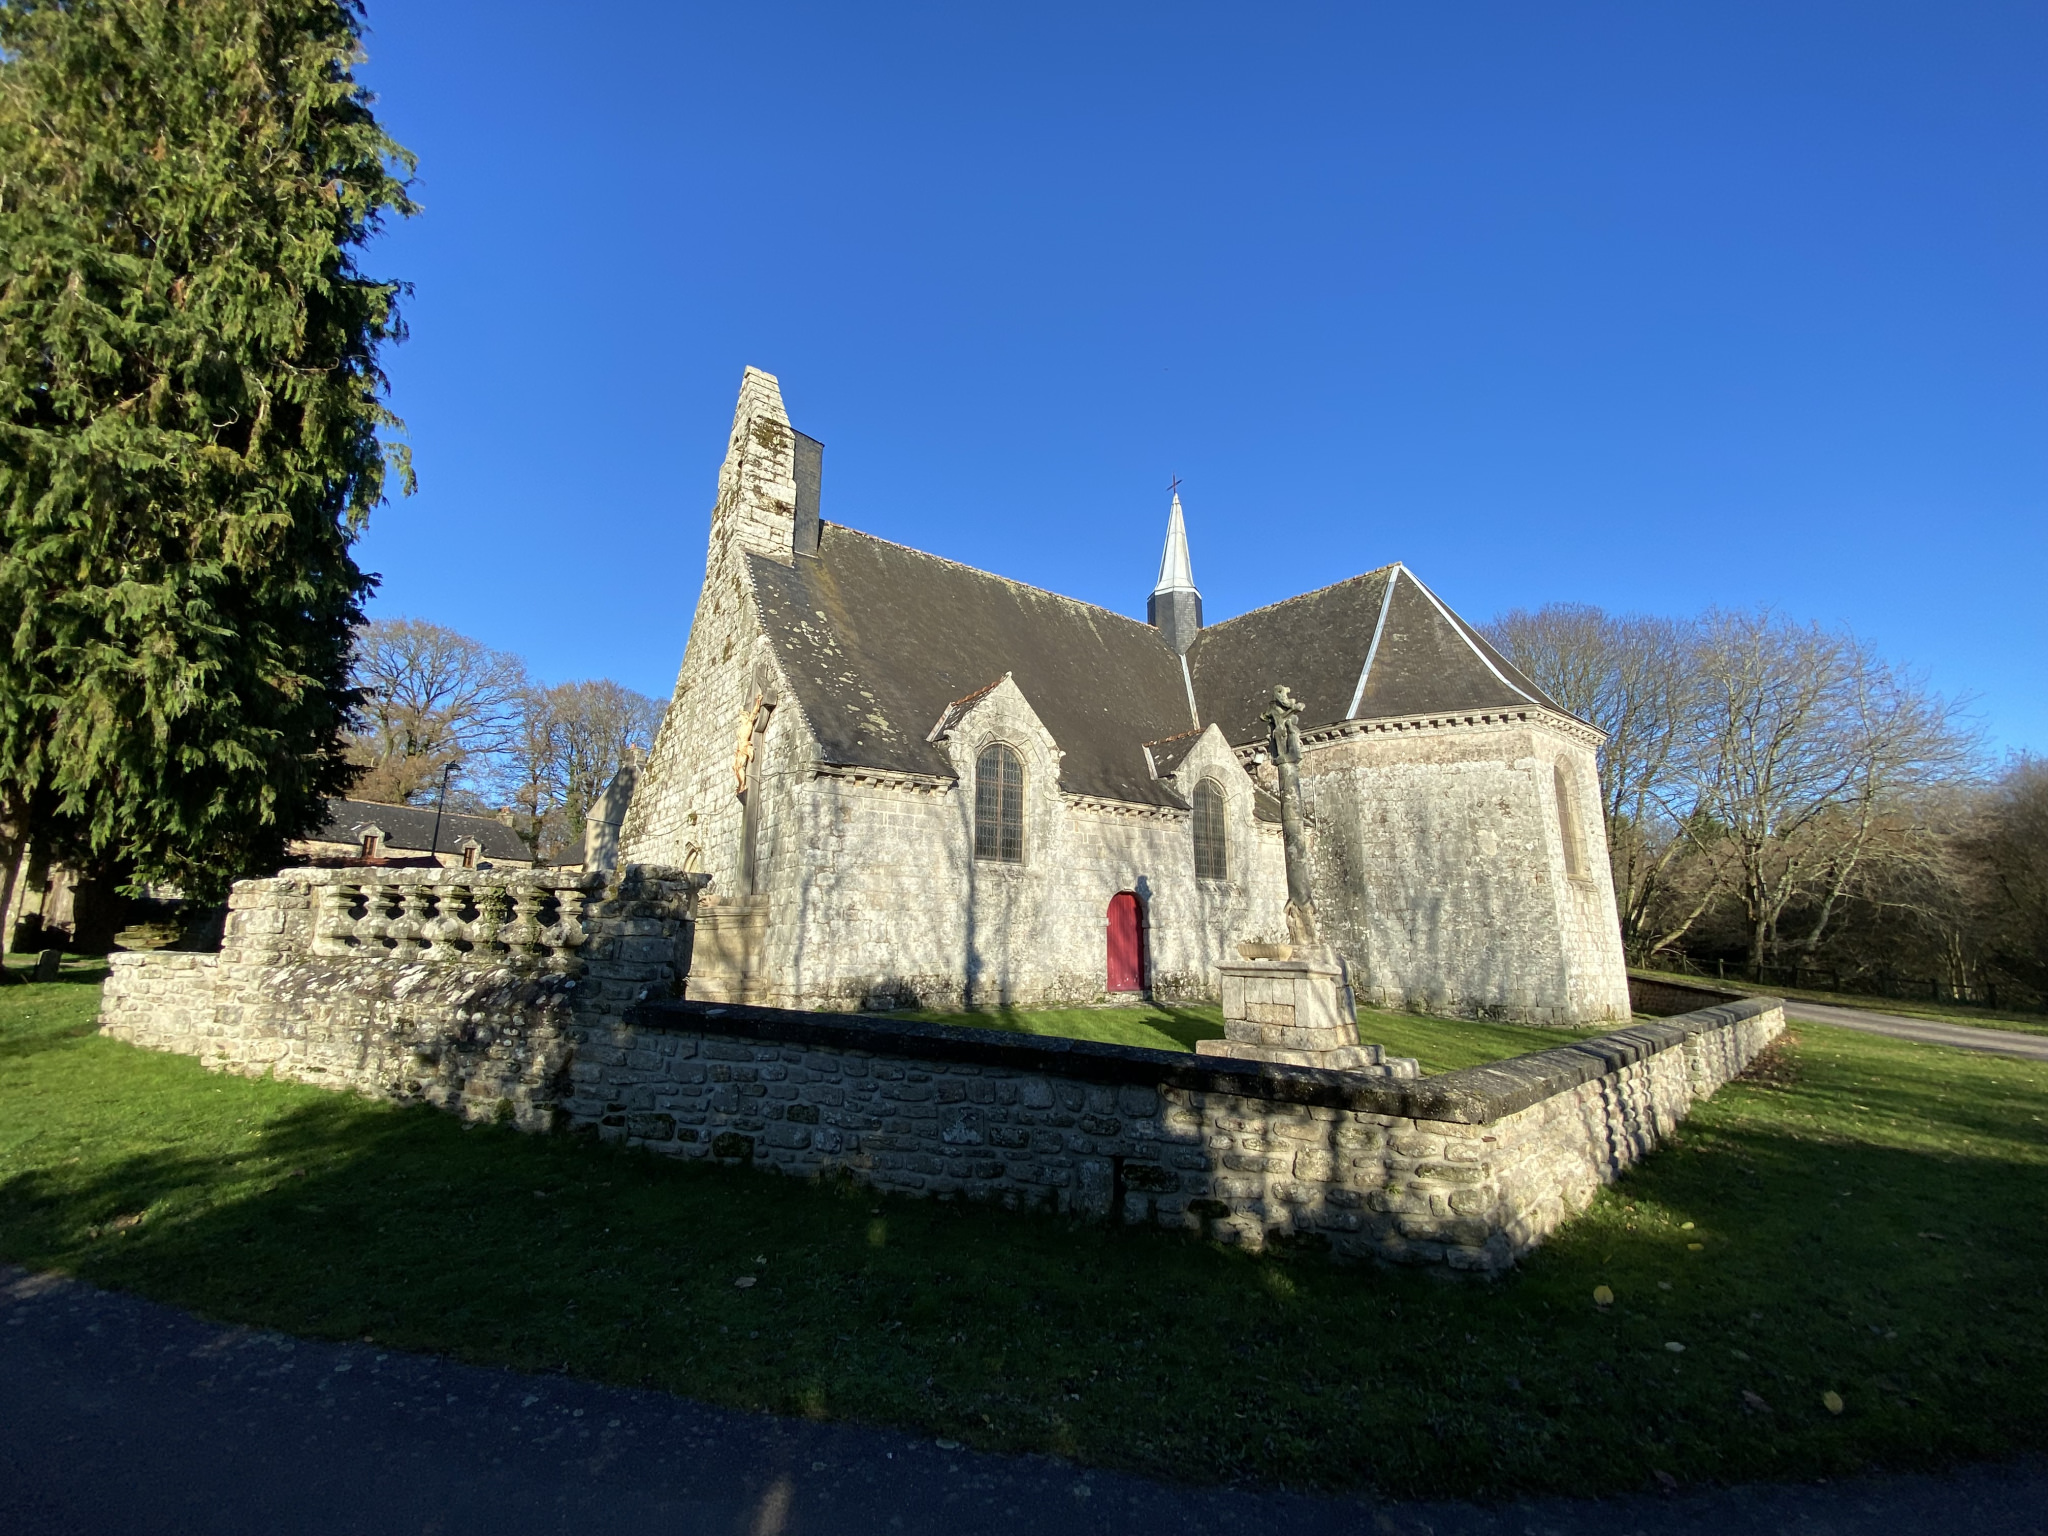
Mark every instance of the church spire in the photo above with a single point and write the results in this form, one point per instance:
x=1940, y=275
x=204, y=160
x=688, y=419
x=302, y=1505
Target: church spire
x=1175, y=574
x=1175, y=607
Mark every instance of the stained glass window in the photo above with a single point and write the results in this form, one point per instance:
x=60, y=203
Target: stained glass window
x=999, y=805
x=1212, y=859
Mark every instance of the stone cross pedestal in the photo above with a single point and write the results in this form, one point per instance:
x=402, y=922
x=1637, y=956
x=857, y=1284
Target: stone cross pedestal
x=1290, y=1004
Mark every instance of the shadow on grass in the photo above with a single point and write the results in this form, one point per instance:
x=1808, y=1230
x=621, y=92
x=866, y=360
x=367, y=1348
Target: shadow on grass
x=37, y=1015
x=1833, y=1245
x=1153, y=1026
x=1441, y=1045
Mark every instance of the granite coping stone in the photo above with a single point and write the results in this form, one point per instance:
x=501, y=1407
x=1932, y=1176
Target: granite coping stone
x=1471, y=1096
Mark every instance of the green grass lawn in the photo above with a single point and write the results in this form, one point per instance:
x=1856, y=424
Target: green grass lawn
x=1921, y=1008
x=1864, y=1216
x=1441, y=1045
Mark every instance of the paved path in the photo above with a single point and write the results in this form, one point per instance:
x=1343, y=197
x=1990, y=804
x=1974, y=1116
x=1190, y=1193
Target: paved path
x=2005, y=1042
x=120, y=1416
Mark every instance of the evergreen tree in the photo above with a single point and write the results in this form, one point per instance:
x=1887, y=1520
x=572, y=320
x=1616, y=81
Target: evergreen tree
x=190, y=405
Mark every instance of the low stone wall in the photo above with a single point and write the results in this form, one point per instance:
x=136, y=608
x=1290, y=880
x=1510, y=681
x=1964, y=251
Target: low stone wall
x=1470, y=1169
x=457, y=988
x=1660, y=998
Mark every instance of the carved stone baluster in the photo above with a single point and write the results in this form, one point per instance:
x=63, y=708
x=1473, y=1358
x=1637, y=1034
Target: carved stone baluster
x=448, y=932
x=334, y=933
x=410, y=924
x=375, y=925
x=522, y=936
x=491, y=914
x=565, y=935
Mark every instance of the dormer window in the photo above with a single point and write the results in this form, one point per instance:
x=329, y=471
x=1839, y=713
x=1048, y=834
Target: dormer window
x=373, y=842
x=999, y=805
x=470, y=848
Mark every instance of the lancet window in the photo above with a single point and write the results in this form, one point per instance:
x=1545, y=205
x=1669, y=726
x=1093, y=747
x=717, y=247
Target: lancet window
x=999, y=805
x=1212, y=856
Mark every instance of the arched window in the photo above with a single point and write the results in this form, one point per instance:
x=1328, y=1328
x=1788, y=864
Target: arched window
x=1212, y=858
x=999, y=805
x=1568, y=825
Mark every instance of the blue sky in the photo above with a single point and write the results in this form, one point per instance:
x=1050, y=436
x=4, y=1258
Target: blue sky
x=1652, y=307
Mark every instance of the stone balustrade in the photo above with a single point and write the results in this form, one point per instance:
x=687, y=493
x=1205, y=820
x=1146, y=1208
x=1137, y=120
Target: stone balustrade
x=457, y=987
x=528, y=918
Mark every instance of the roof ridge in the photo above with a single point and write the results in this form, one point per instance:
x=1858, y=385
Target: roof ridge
x=1458, y=628
x=399, y=805
x=1378, y=629
x=1008, y=581
x=1312, y=592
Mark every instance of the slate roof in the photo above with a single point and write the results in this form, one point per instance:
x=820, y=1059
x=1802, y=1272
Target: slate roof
x=880, y=643
x=1424, y=659
x=878, y=639
x=411, y=828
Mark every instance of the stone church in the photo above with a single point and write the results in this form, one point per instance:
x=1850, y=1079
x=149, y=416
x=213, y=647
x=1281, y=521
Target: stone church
x=916, y=783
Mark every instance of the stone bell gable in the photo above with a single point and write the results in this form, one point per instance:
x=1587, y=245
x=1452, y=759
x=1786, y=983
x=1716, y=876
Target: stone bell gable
x=823, y=762
x=689, y=806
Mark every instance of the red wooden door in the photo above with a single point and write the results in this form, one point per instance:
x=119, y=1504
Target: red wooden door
x=1126, y=944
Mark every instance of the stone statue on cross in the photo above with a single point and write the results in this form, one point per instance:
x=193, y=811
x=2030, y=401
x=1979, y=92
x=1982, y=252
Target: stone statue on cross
x=1283, y=742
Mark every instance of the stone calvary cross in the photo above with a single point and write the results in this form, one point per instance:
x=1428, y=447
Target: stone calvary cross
x=1291, y=1004
x=1283, y=740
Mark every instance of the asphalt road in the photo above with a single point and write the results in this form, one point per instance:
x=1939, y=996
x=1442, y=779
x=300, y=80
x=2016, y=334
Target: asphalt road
x=2003, y=1042
x=121, y=1416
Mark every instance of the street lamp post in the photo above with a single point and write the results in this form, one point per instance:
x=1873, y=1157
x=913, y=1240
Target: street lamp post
x=434, y=850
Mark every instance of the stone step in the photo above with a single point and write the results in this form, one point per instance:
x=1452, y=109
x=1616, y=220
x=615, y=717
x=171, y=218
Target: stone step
x=1366, y=1060
x=1333, y=1037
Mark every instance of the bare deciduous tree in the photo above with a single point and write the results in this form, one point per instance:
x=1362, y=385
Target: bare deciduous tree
x=1632, y=677
x=430, y=697
x=2009, y=848
x=1806, y=737
x=1747, y=757
x=569, y=742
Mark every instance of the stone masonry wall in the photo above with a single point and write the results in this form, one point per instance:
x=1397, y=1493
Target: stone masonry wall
x=1441, y=872
x=436, y=986
x=686, y=812
x=1469, y=1169
x=875, y=898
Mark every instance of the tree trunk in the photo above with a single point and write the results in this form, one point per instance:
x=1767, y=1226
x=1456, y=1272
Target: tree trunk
x=14, y=855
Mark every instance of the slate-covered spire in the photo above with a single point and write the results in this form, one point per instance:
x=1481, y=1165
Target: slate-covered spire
x=1175, y=607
